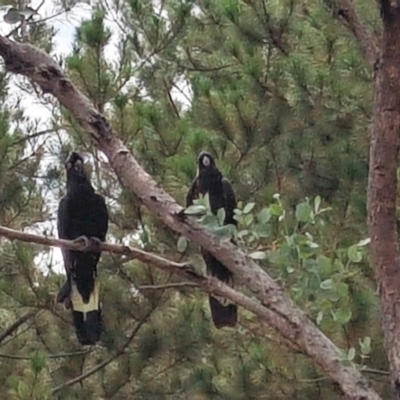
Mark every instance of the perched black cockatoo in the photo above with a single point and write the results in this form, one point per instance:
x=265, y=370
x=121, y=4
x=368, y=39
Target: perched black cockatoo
x=82, y=216
x=221, y=195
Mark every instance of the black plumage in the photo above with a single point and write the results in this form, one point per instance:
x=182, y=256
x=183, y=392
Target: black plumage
x=82, y=215
x=221, y=195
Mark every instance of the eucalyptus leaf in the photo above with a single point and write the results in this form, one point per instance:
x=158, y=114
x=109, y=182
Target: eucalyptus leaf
x=326, y=284
x=248, y=208
x=303, y=212
x=195, y=210
x=264, y=215
x=224, y=232
x=364, y=242
x=317, y=203
x=365, y=345
x=343, y=316
x=324, y=264
x=182, y=244
x=351, y=354
x=221, y=216
x=258, y=255
x=276, y=209
x=263, y=230
x=354, y=254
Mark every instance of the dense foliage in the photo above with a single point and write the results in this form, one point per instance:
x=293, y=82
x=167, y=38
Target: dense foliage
x=279, y=92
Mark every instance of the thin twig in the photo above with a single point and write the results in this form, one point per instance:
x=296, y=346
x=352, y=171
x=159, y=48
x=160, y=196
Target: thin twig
x=13, y=327
x=376, y=371
x=35, y=135
x=103, y=364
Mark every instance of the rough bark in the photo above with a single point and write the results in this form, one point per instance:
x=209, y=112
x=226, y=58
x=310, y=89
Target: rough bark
x=382, y=187
x=27, y=60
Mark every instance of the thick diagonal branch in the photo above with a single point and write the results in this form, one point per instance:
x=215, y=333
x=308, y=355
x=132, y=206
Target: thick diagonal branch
x=368, y=41
x=28, y=60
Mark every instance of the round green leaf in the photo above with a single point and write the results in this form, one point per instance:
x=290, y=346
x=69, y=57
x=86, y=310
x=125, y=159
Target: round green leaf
x=182, y=244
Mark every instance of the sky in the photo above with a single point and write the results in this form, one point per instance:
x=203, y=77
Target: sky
x=65, y=24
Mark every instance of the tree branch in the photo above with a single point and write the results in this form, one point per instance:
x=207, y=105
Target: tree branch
x=369, y=43
x=186, y=270
x=59, y=355
x=168, y=286
x=291, y=322
x=13, y=327
x=131, y=252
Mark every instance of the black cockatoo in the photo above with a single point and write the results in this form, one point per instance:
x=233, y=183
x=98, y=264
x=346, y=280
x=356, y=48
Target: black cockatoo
x=82, y=215
x=221, y=195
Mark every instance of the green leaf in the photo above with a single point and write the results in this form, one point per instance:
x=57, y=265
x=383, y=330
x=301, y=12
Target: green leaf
x=221, y=216
x=351, y=354
x=264, y=215
x=195, y=210
x=324, y=265
x=364, y=242
x=263, y=230
x=248, y=208
x=303, y=212
x=276, y=210
x=258, y=255
x=248, y=219
x=343, y=316
x=365, y=345
x=210, y=221
x=326, y=284
x=319, y=318
x=182, y=244
x=224, y=232
x=312, y=245
x=354, y=254
x=317, y=203
x=338, y=265
x=342, y=289
x=332, y=295
x=242, y=233
x=237, y=212
x=290, y=269
x=206, y=201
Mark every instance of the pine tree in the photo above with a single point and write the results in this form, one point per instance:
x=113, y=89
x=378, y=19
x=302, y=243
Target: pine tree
x=281, y=95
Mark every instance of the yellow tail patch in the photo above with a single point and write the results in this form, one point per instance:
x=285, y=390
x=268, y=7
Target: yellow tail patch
x=77, y=301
